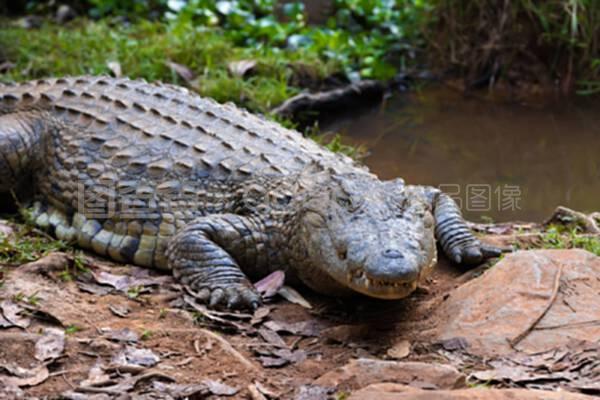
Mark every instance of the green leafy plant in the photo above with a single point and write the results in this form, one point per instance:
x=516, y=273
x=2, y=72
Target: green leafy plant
x=146, y=334
x=365, y=37
x=27, y=245
x=556, y=237
x=72, y=329
x=134, y=292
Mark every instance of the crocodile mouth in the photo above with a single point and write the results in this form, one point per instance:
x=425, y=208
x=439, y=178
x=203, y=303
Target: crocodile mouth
x=359, y=281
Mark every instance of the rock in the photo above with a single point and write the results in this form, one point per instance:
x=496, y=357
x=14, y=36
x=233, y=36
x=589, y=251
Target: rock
x=399, y=350
x=393, y=391
x=362, y=372
x=501, y=304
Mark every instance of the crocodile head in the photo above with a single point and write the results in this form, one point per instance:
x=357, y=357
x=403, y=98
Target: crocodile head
x=371, y=236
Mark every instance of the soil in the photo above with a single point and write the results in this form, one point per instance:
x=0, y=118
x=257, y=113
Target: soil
x=193, y=345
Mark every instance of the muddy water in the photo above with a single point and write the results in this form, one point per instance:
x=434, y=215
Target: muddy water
x=502, y=161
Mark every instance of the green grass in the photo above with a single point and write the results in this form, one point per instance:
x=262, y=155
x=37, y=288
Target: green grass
x=144, y=49
x=523, y=40
x=336, y=145
x=559, y=238
x=146, y=334
x=28, y=244
x=72, y=329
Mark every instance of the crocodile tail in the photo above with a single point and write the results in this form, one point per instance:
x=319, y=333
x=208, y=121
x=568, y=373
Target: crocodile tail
x=20, y=135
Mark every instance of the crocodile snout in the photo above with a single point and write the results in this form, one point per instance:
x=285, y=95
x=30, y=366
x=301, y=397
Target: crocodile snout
x=392, y=253
x=392, y=266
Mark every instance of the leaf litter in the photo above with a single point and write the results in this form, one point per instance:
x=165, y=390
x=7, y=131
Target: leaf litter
x=287, y=340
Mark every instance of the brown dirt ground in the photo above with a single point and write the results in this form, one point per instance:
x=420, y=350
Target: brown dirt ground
x=188, y=354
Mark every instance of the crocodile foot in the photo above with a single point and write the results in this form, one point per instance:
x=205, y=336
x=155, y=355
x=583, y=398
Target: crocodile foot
x=472, y=253
x=231, y=296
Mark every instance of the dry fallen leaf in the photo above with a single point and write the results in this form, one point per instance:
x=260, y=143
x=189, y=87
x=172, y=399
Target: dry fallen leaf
x=273, y=357
x=132, y=356
x=119, y=282
x=119, y=310
x=181, y=70
x=272, y=337
x=313, y=392
x=241, y=68
x=574, y=366
x=123, y=283
x=259, y=315
x=181, y=391
x=4, y=323
x=115, y=68
x=218, y=388
x=93, y=288
x=307, y=328
x=291, y=295
x=51, y=345
x=96, y=376
x=23, y=376
x=120, y=335
x=11, y=312
x=270, y=284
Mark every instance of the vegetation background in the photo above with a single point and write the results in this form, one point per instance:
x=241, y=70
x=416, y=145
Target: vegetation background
x=257, y=53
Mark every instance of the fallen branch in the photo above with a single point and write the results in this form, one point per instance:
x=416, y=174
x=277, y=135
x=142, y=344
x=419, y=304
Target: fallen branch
x=255, y=394
x=580, y=324
x=331, y=101
x=229, y=348
x=517, y=339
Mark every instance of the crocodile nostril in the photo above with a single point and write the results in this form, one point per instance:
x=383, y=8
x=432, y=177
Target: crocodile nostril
x=392, y=253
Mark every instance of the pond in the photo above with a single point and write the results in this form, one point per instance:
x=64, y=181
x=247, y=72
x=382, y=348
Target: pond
x=503, y=161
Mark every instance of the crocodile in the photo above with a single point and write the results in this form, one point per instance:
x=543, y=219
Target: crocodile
x=154, y=175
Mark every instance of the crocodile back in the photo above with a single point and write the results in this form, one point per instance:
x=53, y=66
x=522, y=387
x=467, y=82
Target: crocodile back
x=164, y=131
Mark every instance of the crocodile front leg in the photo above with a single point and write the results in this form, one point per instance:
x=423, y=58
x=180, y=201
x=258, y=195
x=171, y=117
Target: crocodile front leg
x=20, y=146
x=203, y=257
x=454, y=236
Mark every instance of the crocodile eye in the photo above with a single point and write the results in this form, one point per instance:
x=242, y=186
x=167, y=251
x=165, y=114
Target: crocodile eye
x=344, y=202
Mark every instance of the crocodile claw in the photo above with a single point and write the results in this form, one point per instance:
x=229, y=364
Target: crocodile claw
x=234, y=296
x=473, y=253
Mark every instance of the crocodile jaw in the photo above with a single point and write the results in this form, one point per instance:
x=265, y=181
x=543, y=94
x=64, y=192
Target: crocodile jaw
x=359, y=282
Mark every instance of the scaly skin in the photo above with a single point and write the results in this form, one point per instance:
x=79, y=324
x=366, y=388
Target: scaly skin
x=154, y=175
